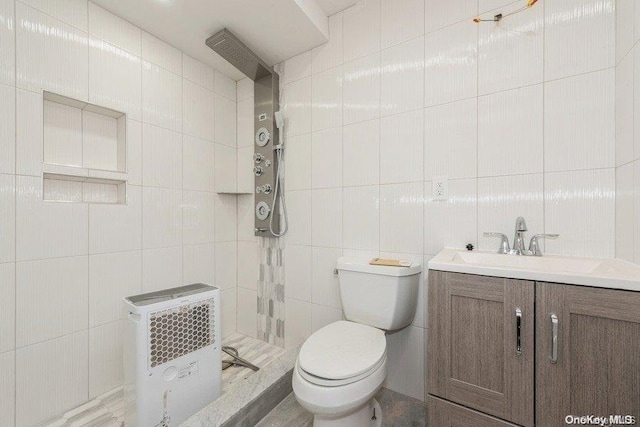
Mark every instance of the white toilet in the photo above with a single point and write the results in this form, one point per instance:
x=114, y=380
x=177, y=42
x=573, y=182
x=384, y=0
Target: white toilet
x=342, y=366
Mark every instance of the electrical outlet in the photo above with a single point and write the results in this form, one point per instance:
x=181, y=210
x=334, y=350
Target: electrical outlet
x=440, y=188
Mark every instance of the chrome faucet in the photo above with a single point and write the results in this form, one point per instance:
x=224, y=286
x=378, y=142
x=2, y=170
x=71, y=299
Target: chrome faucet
x=518, y=240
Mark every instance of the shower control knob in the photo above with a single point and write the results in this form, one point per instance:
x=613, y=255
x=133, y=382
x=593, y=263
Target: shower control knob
x=258, y=157
x=267, y=163
x=258, y=170
x=262, y=211
x=258, y=189
x=266, y=188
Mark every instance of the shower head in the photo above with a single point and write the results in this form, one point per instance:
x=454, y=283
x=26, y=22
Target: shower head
x=279, y=119
x=227, y=45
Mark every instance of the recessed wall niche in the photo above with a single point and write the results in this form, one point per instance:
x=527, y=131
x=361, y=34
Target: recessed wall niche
x=84, y=152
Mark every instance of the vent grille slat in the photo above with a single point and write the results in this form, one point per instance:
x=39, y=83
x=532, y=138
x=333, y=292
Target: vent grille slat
x=178, y=331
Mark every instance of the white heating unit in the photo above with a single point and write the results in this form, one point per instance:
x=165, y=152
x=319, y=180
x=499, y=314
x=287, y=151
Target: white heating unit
x=172, y=354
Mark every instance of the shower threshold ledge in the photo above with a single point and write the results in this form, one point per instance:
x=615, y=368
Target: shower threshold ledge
x=239, y=388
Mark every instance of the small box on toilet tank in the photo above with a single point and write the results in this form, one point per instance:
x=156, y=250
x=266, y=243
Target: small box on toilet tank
x=172, y=354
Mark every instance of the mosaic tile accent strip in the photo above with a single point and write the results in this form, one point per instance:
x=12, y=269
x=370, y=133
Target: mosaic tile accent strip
x=271, y=291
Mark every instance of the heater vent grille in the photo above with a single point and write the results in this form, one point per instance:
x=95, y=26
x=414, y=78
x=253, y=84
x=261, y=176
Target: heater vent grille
x=180, y=330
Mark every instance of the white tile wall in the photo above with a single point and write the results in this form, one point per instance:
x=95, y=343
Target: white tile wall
x=361, y=30
x=229, y=311
x=55, y=289
x=361, y=153
x=50, y=54
x=72, y=263
x=114, y=30
x=115, y=74
x=51, y=377
x=112, y=276
x=7, y=388
x=329, y=54
x=451, y=140
x=160, y=53
x=7, y=43
x=297, y=272
x=624, y=106
x=7, y=306
x=450, y=64
x=579, y=37
x=161, y=268
x=579, y=122
x=361, y=89
x=7, y=129
x=442, y=14
x=197, y=104
x=247, y=317
x=510, y=133
x=105, y=358
x=326, y=92
x=518, y=115
x=324, y=283
x=161, y=217
x=627, y=117
x=325, y=158
x=197, y=266
x=402, y=77
x=581, y=207
x=401, y=20
x=161, y=97
x=510, y=54
x=7, y=218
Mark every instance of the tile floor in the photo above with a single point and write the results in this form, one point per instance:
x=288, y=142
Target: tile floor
x=397, y=410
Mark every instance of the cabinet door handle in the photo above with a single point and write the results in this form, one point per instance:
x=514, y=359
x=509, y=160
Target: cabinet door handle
x=554, y=338
x=518, y=331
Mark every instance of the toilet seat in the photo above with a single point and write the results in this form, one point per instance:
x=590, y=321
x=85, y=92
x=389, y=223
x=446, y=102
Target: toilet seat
x=341, y=353
x=337, y=383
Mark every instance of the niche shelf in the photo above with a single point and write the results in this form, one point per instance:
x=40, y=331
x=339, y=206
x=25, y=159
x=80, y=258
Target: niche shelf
x=84, y=147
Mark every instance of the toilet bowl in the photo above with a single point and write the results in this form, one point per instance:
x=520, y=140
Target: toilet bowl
x=342, y=366
x=338, y=371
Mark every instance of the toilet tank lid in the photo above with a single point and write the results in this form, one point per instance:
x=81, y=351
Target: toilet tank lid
x=362, y=265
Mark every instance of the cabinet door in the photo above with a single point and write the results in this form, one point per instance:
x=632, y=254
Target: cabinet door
x=441, y=413
x=595, y=368
x=476, y=357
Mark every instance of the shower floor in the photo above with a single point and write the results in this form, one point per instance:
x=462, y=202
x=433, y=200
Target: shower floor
x=108, y=410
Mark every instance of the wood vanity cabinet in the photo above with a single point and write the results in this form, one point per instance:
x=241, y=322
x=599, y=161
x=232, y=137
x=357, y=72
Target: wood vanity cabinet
x=597, y=368
x=473, y=353
x=486, y=335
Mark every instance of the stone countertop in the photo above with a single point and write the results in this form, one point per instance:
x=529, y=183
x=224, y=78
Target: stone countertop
x=596, y=272
x=234, y=400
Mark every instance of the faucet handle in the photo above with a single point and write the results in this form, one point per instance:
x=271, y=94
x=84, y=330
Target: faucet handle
x=534, y=245
x=504, y=242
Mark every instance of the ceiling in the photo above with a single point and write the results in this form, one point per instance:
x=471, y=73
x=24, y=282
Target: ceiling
x=274, y=29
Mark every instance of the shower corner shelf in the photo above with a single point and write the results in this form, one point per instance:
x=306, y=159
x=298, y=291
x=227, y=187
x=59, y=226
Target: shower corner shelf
x=234, y=193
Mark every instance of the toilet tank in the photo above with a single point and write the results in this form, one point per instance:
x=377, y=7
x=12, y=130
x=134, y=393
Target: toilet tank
x=379, y=296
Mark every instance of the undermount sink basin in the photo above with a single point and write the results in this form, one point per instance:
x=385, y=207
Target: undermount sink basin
x=544, y=263
x=604, y=273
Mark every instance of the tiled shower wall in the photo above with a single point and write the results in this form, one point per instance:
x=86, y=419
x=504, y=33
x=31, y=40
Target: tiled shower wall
x=518, y=115
x=64, y=267
x=628, y=131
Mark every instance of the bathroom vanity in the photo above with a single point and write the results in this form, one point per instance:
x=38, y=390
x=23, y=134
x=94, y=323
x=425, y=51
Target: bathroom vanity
x=524, y=341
